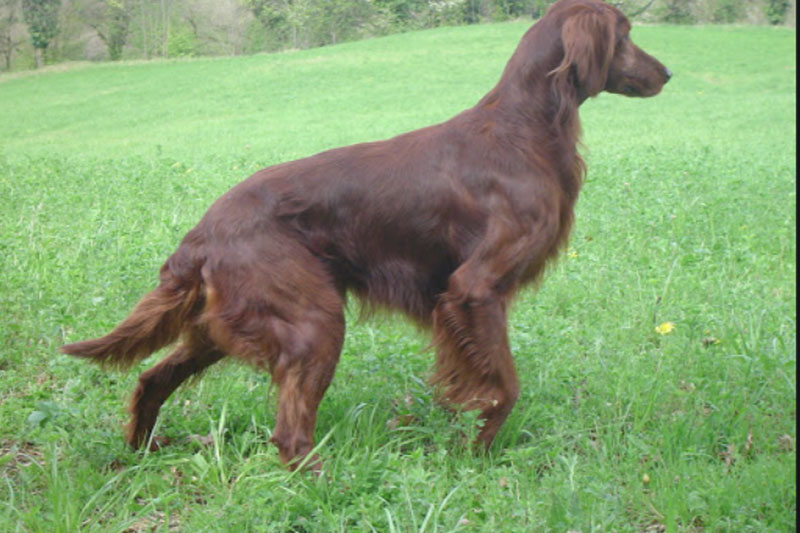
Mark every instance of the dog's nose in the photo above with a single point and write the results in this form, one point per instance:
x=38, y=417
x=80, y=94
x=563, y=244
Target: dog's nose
x=667, y=73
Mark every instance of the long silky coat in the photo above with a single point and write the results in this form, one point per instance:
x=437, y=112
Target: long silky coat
x=444, y=223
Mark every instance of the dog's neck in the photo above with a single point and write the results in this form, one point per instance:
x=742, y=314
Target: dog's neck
x=528, y=76
x=546, y=118
x=530, y=100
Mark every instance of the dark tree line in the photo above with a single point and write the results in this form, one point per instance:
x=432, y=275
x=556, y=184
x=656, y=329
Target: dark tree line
x=36, y=32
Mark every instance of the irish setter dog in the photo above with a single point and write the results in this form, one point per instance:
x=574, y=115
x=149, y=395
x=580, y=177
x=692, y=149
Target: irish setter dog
x=444, y=223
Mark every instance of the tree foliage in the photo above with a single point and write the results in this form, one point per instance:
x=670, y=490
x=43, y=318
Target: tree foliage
x=41, y=16
x=111, y=20
x=776, y=10
x=11, y=31
x=116, y=29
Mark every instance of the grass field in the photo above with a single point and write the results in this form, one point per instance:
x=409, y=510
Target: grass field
x=687, y=218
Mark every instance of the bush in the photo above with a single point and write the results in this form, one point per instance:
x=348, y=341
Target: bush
x=182, y=43
x=727, y=11
x=776, y=10
x=676, y=12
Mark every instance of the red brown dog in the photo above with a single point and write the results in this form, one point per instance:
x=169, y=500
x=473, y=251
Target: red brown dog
x=444, y=223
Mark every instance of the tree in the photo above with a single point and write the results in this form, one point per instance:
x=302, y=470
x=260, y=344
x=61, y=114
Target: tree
x=41, y=16
x=306, y=23
x=111, y=20
x=776, y=10
x=274, y=17
x=405, y=14
x=152, y=22
x=633, y=8
x=677, y=12
x=335, y=20
x=115, y=34
x=11, y=32
x=219, y=27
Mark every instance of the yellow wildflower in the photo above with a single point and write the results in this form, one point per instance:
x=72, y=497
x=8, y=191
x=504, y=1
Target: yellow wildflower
x=665, y=328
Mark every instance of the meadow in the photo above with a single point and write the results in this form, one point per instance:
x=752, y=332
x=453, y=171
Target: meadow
x=657, y=359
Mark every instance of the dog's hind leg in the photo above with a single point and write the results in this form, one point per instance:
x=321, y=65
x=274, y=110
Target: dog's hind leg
x=192, y=356
x=285, y=313
x=309, y=352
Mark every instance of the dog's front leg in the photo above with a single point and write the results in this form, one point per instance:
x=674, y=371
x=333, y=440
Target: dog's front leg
x=474, y=366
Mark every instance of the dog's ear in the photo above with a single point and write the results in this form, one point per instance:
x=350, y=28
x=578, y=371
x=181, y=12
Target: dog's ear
x=588, y=38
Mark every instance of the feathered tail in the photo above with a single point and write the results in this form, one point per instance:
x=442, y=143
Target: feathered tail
x=157, y=320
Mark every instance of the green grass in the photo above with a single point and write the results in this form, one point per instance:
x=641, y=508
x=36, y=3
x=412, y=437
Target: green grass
x=687, y=216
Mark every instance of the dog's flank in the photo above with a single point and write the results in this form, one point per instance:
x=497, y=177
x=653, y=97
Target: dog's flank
x=443, y=223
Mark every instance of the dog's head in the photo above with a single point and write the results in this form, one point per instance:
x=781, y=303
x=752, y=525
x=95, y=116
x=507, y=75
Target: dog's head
x=598, y=54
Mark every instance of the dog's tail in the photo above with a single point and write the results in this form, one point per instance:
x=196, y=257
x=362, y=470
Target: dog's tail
x=156, y=321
